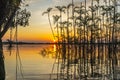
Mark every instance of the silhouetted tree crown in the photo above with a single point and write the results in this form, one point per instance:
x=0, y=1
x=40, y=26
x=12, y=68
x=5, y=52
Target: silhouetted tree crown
x=12, y=15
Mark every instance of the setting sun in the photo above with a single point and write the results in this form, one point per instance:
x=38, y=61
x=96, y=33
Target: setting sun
x=59, y=39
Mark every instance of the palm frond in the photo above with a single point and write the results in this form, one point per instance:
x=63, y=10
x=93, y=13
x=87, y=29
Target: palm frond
x=69, y=5
x=58, y=7
x=49, y=9
x=63, y=7
x=44, y=13
x=55, y=18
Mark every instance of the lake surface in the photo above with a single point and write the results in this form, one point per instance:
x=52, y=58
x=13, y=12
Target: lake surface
x=28, y=62
x=62, y=62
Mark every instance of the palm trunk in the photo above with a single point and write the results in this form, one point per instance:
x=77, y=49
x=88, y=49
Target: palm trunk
x=68, y=26
x=74, y=33
x=58, y=33
x=114, y=23
x=61, y=26
x=68, y=50
x=91, y=55
x=51, y=25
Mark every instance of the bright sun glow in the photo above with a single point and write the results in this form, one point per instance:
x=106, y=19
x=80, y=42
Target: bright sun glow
x=54, y=40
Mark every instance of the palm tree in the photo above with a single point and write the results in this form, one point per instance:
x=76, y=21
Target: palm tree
x=48, y=13
x=98, y=20
x=74, y=31
x=68, y=7
x=114, y=19
x=79, y=21
x=61, y=9
x=56, y=19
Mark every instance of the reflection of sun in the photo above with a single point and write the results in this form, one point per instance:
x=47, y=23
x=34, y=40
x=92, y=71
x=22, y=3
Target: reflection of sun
x=54, y=47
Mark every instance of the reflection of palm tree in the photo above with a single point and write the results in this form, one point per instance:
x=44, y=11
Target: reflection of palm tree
x=48, y=12
x=10, y=44
x=18, y=58
x=68, y=54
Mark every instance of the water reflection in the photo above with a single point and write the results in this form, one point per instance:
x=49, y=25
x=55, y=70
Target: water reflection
x=2, y=68
x=62, y=62
x=48, y=52
x=88, y=62
x=24, y=62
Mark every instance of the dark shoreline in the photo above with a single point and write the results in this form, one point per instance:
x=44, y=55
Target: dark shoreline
x=48, y=43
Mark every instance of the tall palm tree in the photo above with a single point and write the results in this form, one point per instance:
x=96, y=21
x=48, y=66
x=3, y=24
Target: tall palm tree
x=68, y=7
x=61, y=9
x=56, y=19
x=48, y=13
x=114, y=19
x=73, y=16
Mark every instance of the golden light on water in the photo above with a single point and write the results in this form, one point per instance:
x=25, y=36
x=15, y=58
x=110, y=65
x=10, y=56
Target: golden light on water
x=54, y=48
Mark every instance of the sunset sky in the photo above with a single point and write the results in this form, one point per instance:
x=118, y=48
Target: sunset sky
x=38, y=30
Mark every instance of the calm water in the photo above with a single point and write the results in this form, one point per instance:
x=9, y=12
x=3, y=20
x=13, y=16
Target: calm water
x=62, y=62
x=29, y=64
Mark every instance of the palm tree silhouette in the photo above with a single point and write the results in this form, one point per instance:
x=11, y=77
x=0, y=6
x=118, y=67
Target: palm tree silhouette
x=73, y=18
x=92, y=27
x=68, y=7
x=61, y=9
x=56, y=19
x=48, y=13
x=68, y=41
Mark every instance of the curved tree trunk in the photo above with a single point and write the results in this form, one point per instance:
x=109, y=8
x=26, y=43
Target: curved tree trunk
x=6, y=27
x=2, y=68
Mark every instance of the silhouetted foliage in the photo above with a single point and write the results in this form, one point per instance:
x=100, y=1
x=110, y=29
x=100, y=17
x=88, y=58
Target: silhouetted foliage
x=97, y=22
x=12, y=15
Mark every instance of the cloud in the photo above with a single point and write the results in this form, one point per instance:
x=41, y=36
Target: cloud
x=66, y=2
x=61, y=2
x=57, y=1
x=33, y=1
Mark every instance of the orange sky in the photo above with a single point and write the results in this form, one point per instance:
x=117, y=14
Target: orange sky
x=38, y=30
x=31, y=34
